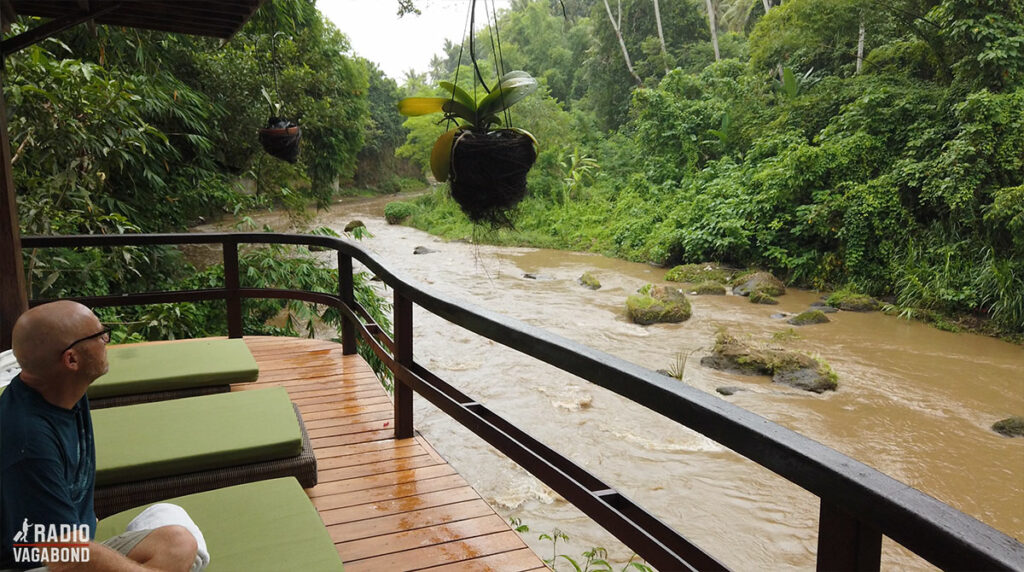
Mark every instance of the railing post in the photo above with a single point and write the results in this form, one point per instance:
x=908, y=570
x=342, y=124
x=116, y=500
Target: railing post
x=403, y=355
x=231, y=283
x=347, y=294
x=845, y=543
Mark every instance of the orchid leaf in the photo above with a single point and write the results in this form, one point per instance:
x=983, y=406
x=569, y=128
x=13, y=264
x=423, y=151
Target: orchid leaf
x=508, y=92
x=452, y=107
x=413, y=106
x=441, y=155
x=460, y=95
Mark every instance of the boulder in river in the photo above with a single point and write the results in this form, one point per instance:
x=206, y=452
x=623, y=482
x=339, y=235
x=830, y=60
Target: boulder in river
x=695, y=273
x=809, y=317
x=763, y=282
x=1010, y=427
x=823, y=308
x=710, y=289
x=589, y=280
x=787, y=367
x=423, y=250
x=759, y=297
x=728, y=389
x=853, y=302
x=352, y=225
x=658, y=304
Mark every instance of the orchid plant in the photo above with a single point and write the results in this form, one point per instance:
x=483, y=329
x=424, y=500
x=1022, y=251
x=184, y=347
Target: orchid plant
x=478, y=116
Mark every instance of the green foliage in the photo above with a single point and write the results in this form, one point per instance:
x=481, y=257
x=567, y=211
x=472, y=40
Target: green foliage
x=398, y=211
x=903, y=180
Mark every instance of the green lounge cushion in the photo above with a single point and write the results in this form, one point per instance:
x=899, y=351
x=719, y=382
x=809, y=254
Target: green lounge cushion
x=266, y=525
x=146, y=368
x=167, y=438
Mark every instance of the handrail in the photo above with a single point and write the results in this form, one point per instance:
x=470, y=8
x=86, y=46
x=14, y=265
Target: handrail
x=858, y=503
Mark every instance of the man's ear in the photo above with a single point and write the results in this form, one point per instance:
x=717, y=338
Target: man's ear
x=69, y=359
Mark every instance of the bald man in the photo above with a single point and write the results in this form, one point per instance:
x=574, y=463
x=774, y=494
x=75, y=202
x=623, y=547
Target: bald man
x=47, y=457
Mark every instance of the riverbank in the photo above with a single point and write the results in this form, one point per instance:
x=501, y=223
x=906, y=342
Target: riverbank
x=577, y=228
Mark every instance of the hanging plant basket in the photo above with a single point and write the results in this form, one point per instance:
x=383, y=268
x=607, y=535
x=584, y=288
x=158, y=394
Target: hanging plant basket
x=280, y=138
x=488, y=173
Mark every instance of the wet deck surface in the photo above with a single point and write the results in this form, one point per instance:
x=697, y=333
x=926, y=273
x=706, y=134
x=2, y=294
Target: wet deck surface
x=389, y=504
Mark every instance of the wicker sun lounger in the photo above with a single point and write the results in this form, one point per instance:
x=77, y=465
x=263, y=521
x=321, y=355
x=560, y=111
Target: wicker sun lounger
x=138, y=475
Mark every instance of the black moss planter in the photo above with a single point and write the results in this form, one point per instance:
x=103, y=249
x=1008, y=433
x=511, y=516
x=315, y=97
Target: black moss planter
x=280, y=138
x=488, y=173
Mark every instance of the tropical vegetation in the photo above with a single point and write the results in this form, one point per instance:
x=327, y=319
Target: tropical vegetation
x=876, y=146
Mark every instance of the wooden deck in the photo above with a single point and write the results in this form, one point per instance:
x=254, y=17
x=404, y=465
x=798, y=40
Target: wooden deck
x=389, y=504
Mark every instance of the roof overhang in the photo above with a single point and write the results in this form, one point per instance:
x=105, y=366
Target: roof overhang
x=216, y=18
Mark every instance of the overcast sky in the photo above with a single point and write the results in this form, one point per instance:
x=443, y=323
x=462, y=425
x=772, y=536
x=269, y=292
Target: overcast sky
x=399, y=44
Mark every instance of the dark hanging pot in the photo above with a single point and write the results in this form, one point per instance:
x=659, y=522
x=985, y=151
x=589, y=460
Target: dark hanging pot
x=280, y=138
x=488, y=173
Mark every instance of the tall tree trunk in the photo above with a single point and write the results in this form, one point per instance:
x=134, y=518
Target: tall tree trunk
x=767, y=5
x=618, y=33
x=661, y=34
x=712, y=22
x=860, y=46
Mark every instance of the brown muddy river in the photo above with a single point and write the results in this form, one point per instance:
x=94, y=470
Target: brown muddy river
x=914, y=402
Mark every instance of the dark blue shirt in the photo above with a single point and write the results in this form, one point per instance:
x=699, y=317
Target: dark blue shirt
x=47, y=466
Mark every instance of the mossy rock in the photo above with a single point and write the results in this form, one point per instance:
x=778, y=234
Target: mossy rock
x=853, y=302
x=710, y=289
x=352, y=225
x=787, y=367
x=808, y=318
x=759, y=297
x=588, y=280
x=658, y=304
x=763, y=282
x=1010, y=427
x=696, y=273
x=398, y=211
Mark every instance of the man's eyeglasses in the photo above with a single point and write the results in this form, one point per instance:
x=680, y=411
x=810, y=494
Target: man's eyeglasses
x=103, y=334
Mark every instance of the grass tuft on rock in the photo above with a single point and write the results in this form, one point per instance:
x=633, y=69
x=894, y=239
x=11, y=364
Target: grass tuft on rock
x=590, y=281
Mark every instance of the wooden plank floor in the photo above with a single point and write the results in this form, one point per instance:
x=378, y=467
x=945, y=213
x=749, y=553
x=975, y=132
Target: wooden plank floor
x=389, y=504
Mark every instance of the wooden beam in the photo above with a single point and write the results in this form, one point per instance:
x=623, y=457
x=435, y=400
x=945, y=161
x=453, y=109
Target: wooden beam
x=55, y=26
x=13, y=299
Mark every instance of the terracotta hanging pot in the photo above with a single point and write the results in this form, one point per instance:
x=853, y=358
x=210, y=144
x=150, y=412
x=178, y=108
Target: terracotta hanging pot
x=280, y=138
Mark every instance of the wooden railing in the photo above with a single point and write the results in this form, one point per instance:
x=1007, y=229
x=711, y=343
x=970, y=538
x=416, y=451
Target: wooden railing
x=858, y=504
